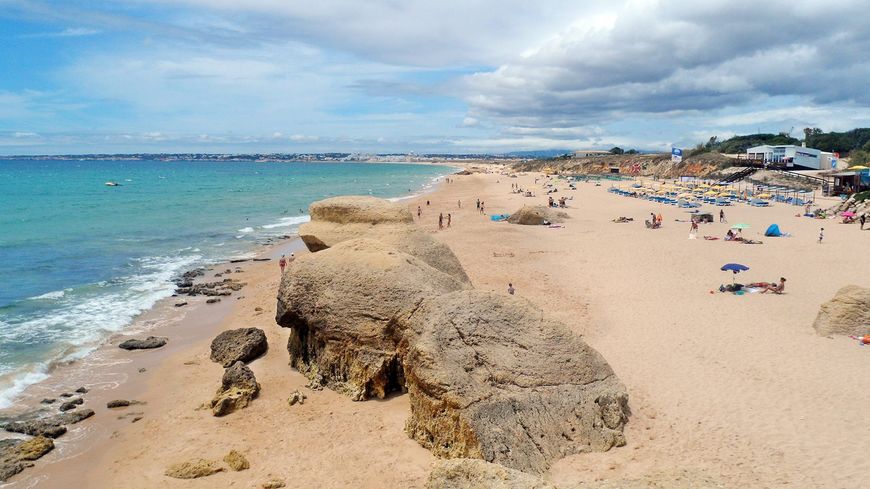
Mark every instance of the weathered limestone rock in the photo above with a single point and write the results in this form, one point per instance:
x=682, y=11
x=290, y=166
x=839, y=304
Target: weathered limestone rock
x=467, y=473
x=193, y=469
x=274, y=484
x=343, y=218
x=146, y=344
x=342, y=304
x=238, y=388
x=237, y=461
x=52, y=426
x=536, y=215
x=238, y=345
x=296, y=397
x=488, y=378
x=14, y=454
x=848, y=313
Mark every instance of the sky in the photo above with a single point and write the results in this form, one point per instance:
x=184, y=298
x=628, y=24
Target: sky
x=446, y=76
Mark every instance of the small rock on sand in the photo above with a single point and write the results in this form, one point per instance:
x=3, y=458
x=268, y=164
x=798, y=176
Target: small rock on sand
x=193, y=469
x=180, y=304
x=274, y=484
x=237, y=461
x=117, y=403
x=15, y=453
x=238, y=345
x=296, y=397
x=213, y=300
x=71, y=404
x=146, y=344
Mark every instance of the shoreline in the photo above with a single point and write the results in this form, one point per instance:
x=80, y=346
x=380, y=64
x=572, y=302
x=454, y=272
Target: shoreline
x=110, y=373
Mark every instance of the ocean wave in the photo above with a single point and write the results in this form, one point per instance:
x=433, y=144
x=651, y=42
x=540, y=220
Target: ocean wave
x=246, y=230
x=57, y=294
x=80, y=320
x=287, y=221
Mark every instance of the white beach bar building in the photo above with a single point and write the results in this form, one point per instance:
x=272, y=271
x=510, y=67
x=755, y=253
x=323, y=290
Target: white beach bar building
x=791, y=156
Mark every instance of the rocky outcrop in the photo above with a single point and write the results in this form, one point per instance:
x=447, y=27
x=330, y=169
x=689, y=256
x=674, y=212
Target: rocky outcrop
x=52, y=426
x=211, y=289
x=71, y=404
x=238, y=345
x=341, y=305
x=344, y=218
x=467, y=473
x=848, y=313
x=238, y=388
x=237, y=461
x=488, y=378
x=193, y=469
x=146, y=344
x=536, y=215
x=15, y=454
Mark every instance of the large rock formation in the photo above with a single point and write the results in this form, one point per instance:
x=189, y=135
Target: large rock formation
x=238, y=345
x=238, y=388
x=343, y=218
x=467, y=473
x=536, y=215
x=15, y=454
x=148, y=343
x=489, y=378
x=848, y=313
x=342, y=305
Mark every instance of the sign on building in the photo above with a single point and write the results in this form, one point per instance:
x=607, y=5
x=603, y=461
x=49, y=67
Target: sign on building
x=676, y=155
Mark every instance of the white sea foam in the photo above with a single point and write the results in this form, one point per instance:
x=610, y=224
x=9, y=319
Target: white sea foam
x=83, y=318
x=14, y=384
x=287, y=221
x=57, y=294
x=246, y=230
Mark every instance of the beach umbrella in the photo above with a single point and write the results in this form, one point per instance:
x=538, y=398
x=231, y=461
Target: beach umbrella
x=735, y=268
x=740, y=226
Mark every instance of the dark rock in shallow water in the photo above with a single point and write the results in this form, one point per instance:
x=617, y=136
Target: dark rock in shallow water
x=52, y=426
x=180, y=304
x=262, y=259
x=15, y=453
x=239, y=260
x=117, y=403
x=82, y=390
x=244, y=344
x=71, y=404
x=48, y=401
x=146, y=344
x=213, y=300
x=66, y=394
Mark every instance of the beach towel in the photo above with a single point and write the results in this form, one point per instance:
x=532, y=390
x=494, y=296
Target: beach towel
x=499, y=217
x=773, y=231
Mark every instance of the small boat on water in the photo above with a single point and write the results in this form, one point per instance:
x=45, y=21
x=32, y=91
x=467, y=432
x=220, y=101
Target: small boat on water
x=113, y=184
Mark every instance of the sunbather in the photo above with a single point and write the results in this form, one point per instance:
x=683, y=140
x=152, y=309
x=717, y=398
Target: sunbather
x=775, y=288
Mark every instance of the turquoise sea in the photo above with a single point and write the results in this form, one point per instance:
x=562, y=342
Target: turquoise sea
x=79, y=260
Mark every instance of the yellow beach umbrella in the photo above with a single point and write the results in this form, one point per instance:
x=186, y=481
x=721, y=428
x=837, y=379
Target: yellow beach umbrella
x=764, y=196
x=858, y=167
x=711, y=192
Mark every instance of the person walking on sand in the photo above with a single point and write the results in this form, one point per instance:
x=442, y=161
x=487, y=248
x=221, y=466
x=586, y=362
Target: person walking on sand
x=722, y=215
x=862, y=220
x=448, y=219
x=282, y=263
x=427, y=203
x=478, y=204
x=441, y=221
x=821, y=235
x=693, y=231
x=419, y=211
x=459, y=204
x=511, y=289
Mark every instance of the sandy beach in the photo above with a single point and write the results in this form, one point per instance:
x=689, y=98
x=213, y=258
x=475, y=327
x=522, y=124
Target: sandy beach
x=725, y=390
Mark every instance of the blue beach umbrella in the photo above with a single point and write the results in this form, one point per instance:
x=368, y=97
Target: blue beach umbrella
x=734, y=267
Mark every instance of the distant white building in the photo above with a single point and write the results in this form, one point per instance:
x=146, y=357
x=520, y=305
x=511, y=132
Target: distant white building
x=584, y=153
x=790, y=156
